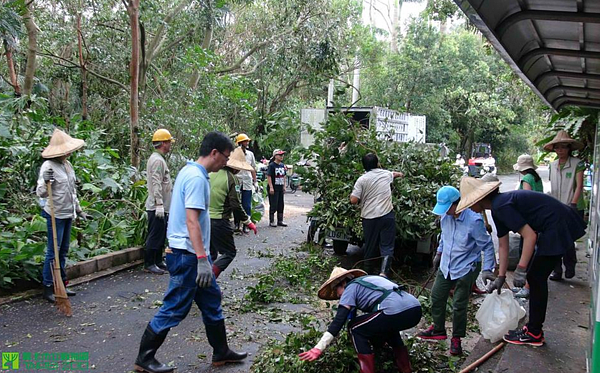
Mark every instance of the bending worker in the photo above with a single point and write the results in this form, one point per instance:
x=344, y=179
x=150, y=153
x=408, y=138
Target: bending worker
x=387, y=310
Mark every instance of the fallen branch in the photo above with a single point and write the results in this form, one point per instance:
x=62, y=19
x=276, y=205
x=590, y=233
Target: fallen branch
x=484, y=358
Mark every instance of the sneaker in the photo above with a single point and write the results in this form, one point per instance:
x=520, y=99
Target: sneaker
x=524, y=337
x=523, y=293
x=432, y=335
x=455, y=347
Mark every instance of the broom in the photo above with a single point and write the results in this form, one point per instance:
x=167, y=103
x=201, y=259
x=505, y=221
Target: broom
x=60, y=293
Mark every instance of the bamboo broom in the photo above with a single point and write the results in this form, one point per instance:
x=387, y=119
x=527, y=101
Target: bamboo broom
x=60, y=293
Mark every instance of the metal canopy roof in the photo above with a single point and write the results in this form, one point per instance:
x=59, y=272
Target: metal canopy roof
x=553, y=45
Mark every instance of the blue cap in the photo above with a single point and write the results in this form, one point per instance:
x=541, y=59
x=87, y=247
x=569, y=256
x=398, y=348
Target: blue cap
x=446, y=196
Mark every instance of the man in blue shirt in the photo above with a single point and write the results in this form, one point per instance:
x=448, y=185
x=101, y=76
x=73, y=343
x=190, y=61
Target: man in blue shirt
x=188, y=261
x=464, y=237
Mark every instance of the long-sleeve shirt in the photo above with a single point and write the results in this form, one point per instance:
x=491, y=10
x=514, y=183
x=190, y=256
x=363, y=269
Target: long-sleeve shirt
x=462, y=241
x=160, y=186
x=66, y=204
x=225, y=197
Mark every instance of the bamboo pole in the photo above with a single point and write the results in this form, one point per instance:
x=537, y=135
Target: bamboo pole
x=484, y=358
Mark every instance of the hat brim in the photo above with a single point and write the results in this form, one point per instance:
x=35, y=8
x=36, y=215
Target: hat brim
x=442, y=208
x=326, y=291
x=52, y=151
x=518, y=167
x=469, y=200
x=575, y=145
x=240, y=166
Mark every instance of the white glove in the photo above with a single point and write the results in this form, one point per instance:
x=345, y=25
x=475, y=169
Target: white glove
x=160, y=212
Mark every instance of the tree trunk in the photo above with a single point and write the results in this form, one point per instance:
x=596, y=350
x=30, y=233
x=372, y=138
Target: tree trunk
x=208, y=33
x=32, y=31
x=84, y=110
x=133, y=9
x=14, y=81
x=397, y=4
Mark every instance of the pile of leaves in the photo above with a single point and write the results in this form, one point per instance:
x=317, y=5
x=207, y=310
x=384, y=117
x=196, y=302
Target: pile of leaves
x=335, y=165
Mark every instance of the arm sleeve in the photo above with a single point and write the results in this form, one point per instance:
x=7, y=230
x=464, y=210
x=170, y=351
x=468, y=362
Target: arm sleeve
x=76, y=200
x=195, y=191
x=234, y=199
x=507, y=219
x=440, y=247
x=42, y=190
x=357, y=190
x=580, y=167
x=157, y=173
x=338, y=322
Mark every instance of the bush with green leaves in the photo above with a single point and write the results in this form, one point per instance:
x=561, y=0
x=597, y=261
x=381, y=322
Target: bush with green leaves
x=335, y=165
x=110, y=190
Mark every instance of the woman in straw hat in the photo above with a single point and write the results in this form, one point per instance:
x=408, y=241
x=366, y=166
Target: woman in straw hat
x=566, y=185
x=58, y=171
x=225, y=202
x=387, y=310
x=539, y=219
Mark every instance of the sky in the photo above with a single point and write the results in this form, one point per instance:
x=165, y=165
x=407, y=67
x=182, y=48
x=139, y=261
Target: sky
x=381, y=18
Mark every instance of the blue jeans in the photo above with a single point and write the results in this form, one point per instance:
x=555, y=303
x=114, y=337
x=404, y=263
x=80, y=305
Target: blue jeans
x=63, y=236
x=247, y=201
x=182, y=291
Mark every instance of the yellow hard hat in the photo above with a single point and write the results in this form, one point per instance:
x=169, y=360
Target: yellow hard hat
x=162, y=135
x=241, y=137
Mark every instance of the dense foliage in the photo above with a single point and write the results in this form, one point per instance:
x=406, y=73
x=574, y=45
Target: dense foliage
x=336, y=164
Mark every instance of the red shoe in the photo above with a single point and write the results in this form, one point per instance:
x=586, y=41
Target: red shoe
x=367, y=363
x=455, y=347
x=402, y=360
x=432, y=335
x=477, y=290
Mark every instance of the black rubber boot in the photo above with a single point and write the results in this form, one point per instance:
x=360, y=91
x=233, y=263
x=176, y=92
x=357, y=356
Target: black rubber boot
x=272, y=220
x=280, y=221
x=49, y=294
x=145, y=361
x=154, y=269
x=70, y=293
x=386, y=265
x=158, y=260
x=217, y=338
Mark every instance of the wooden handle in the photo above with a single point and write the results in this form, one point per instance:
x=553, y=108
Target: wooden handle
x=52, y=219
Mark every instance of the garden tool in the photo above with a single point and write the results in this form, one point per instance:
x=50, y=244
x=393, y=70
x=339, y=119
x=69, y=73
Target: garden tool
x=60, y=293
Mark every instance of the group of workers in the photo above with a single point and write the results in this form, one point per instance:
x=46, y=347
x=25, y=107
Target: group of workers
x=548, y=224
x=195, y=215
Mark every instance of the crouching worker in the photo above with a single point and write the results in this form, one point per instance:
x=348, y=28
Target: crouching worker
x=387, y=310
x=458, y=257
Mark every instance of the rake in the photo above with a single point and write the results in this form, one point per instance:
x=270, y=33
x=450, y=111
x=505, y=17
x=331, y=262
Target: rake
x=60, y=293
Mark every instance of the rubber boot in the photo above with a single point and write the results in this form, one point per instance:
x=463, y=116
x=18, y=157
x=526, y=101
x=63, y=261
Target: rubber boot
x=217, y=338
x=401, y=359
x=70, y=293
x=280, y=221
x=49, y=293
x=145, y=361
x=367, y=363
x=216, y=271
x=475, y=289
x=158, y=260
x=386, y=265
x=272, y=220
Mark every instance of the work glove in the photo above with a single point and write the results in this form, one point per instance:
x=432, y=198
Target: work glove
x=487, y=276
x=160, y=212
x=497, y=284
x=311, y=355
x=436, y=261
x=83, y=216
x=48, y=175
x=252, y=227
x=520, y=277
x=205, y=273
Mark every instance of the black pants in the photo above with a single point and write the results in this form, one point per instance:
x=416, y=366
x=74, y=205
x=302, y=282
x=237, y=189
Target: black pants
x=380, y=234
x=222, y=243
x=155, y=241
x=276, y=203
x=570, y=258
x=377, y=327
x=537, y=277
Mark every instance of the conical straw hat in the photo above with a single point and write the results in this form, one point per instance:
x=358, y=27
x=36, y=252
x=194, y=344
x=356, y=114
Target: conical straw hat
x=61, y=144
x=237, y=161
x=562, y=137
x=327, y=290
x=473, y=190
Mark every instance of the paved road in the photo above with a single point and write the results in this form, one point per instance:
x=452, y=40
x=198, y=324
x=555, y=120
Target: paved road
x=110, y=314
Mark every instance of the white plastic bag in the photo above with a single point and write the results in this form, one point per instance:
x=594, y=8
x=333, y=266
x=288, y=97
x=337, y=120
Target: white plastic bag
x=498, y=314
